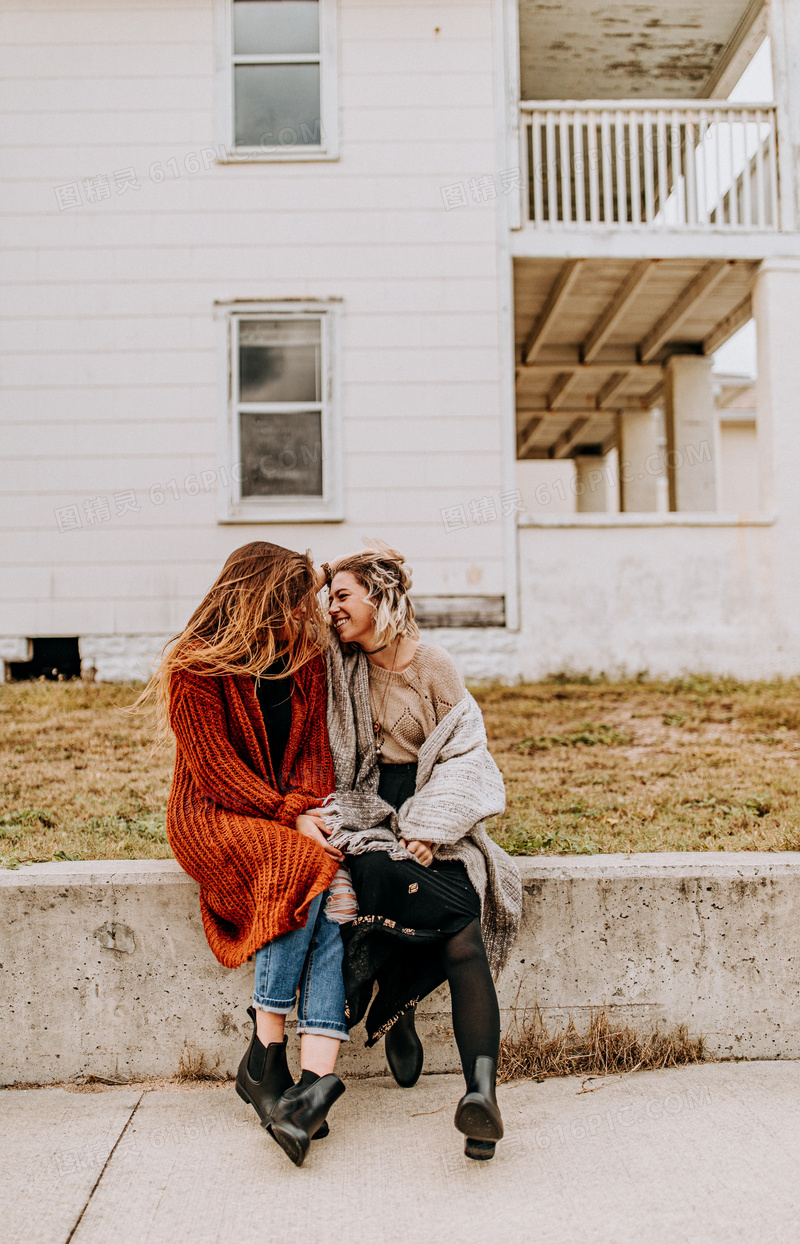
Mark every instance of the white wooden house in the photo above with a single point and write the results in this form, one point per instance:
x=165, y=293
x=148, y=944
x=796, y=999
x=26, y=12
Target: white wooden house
x=450, y=274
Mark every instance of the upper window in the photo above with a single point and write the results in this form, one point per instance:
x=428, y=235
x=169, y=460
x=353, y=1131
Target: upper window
x=281, y=82
x=281, y=422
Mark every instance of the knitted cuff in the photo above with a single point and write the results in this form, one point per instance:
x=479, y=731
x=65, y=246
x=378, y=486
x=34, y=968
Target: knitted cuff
x=295, y=804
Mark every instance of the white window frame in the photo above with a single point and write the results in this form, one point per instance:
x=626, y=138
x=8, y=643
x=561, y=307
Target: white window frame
x=229, y=153
x=234, y=508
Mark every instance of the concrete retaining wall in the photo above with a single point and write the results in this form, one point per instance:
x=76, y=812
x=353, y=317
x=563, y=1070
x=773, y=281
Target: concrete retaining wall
x=105, y=969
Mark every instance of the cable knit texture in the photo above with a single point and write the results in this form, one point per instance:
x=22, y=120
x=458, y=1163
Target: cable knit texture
x=410, y=703
x=231, y=819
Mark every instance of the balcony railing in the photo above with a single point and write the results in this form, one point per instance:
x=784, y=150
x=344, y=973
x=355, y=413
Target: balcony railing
x=650, y=163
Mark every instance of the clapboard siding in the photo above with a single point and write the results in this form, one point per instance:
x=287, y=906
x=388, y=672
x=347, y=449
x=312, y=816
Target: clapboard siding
x=363, y=437
x=108, y=341
x=419, y=296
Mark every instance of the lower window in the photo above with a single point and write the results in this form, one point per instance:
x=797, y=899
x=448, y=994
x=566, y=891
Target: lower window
x=282, y=437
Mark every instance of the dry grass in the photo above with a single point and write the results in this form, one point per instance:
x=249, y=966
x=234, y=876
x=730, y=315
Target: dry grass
x=79, y=778
x=695, y=764
x=192, y=1065
x=533, y=1053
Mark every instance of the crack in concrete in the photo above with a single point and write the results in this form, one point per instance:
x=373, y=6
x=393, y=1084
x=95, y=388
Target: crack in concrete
x=96, y=1183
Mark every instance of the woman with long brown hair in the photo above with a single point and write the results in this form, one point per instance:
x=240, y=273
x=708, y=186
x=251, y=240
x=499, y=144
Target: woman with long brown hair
x=243, y=689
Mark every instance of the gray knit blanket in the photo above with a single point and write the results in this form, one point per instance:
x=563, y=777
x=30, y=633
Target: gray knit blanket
x=458, y=787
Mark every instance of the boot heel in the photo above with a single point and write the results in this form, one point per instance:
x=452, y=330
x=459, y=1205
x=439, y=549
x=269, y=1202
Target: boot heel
x=243, y=1095
x=476, y=1119
x=478, y=1114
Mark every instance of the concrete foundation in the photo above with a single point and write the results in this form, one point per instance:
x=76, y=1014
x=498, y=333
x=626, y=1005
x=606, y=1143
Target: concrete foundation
x=106, y=969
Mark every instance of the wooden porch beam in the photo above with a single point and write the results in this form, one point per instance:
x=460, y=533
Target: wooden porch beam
x=730, y=325
x=604, y=326
x=632, y=366
x=566, y=442
x=555, y=298
x=652, y=398
x=526, y=434
x=669, y=324
x=743, y=44
x=560, y=390
x=613, y=386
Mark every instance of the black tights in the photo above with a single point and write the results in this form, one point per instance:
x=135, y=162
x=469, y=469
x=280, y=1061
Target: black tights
x=476, y=1015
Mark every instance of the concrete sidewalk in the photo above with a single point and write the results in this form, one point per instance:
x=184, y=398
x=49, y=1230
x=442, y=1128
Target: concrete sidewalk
x=695, y=1155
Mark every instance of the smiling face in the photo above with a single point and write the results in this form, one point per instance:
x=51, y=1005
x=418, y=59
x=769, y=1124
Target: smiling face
x=352, y=615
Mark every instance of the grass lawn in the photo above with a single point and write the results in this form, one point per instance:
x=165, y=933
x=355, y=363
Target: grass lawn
x=694, y=764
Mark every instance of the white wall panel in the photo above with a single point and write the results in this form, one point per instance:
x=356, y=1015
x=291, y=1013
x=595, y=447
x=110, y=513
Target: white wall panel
x=426, y=366
x=454, y=89
x=231, y=262
x=108, y=337
x=95, y=227
x=179, y=58
x=428, y=469
x=111, y=369
x=375, y=22
x=410, y=433
x=68, y=93
x=100, y=333
x=460, y=331
x=430, y=55
x=66, y=441
x=466, y=401
x=96, y=405
x=61, y=26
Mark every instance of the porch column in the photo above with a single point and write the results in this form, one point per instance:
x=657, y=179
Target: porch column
x=641, y=460
x=784, y=26
x=592, y=485
x=692, y=456
x=776, y=307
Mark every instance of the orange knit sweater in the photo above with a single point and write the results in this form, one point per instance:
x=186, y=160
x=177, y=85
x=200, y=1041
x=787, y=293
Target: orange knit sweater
x=228, y=824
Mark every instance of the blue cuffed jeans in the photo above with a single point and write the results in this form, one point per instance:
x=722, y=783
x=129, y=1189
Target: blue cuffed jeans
x=308, y=960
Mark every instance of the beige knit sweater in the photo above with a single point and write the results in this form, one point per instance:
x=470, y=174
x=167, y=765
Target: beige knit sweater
x=408, y=704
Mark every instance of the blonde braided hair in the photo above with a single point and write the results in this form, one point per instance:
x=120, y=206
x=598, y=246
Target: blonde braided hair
x=387, y=579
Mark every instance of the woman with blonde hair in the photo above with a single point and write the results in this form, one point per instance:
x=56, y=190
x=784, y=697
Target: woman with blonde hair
x=243, y=689
x=437, y=899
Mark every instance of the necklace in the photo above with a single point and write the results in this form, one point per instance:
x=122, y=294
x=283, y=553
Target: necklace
x=376, y=722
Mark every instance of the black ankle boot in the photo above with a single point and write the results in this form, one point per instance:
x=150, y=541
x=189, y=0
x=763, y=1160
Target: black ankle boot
x=263, y=1074
x=301, y=1112
x=404, y=1052
x=477, y=1114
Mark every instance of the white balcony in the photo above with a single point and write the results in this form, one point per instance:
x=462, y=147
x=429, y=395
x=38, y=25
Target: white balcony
x=639, y=172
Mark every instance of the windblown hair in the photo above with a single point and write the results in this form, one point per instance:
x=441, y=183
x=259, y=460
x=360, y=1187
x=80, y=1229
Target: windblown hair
x=384, y=573
x=262, y=609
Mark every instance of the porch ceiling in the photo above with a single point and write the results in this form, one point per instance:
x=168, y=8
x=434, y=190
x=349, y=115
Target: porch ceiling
x=592, y=335
x=612, y=49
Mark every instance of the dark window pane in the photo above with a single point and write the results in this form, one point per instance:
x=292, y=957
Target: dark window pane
x=279, y=360
x=275, y=26
x=282, y=454
x=277, y=106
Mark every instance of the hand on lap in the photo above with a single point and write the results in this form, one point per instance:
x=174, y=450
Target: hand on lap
x=420, y=850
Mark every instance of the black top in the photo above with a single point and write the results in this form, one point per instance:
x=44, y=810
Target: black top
x=275, y=701
x=405, y=914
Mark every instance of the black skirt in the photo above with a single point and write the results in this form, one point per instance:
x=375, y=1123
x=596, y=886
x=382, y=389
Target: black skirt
x=405, y=914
